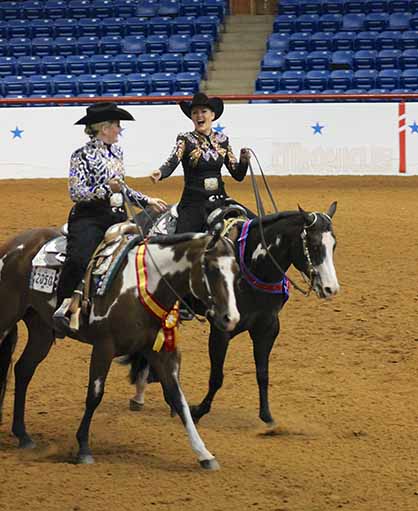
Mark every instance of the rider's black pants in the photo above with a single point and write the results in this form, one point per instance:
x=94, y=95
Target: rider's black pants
x=87, y=224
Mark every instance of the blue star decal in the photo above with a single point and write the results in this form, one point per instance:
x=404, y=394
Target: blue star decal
x=218, y=128
x=414, y=127
x=317, y=128
x=17, y=133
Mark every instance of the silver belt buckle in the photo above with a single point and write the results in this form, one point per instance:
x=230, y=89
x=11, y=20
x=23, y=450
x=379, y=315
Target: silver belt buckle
x=210, y=184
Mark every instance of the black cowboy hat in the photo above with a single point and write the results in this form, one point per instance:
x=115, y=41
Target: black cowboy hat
x=100, y=112
x=200, y=99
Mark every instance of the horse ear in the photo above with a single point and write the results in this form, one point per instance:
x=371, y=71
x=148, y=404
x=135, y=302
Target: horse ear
x=216, y=232
x=332, y=209
x=309, y=217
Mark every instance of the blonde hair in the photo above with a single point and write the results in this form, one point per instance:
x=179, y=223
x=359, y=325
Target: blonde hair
x=92, y=130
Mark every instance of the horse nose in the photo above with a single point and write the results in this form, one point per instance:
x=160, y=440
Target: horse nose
x=230, y=321
x=331, y=290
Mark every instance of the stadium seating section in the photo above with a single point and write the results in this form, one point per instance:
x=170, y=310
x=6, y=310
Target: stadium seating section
x=341, y=46
x=64, y=48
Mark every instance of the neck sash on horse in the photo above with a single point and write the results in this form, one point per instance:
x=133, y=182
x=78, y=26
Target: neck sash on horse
x=280, y=287
x=168, y=334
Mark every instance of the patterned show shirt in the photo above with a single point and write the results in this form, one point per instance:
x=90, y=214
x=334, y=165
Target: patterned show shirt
x=92, y=166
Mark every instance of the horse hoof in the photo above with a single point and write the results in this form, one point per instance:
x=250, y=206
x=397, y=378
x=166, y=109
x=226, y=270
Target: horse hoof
x=26, y=443
x=134, y=406
x=210, y=464
x=85, y=459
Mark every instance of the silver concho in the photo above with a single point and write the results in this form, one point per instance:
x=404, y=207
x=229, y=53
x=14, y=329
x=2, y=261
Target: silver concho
x=210, y=184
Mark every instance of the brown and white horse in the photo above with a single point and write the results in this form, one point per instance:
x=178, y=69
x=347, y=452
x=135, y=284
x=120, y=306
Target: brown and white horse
x=118, y=323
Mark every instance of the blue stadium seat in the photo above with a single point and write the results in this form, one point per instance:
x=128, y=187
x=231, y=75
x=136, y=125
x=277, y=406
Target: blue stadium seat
x=333, y=7
x=125, y=8
x=343, y=41
x=413, y=21
x=273, y=61
x=214, y=8
x=330, y=22
x=10, y=10
x=207, y=25
x=184, y=25
x=89, y=84
x=354, y=7
x=365, y=79
x=169, y=8
x=156, y=44
x=32, y=10
x=114, y=27
x=162, y=82
x=65, y=84
x=388, y=78
x=133, y=44
x=149, y=63
x=413, y=6
x=300, y=41
x=365, y=40
x=409, y=59
x=65, y=27
x=19, y=46
x=125, y=63
x=296, y=60
x=79, y=9
x=146, y=10
x=196, y=63
x=160, y=25
x=318, y=60
x=53, y=65
x=312, y=7
x=8, y=66
x=77, y=64
x=293, y=7
x=88, y=45
x=388, y=40
x=179, y=43
x=398, y=6
x=171, y=63
x=285, y=24
x=317, y=79
x=42, y=46
x=4, y=30
x=111, y=45
x=376, y=6
x=354, y=22
x=18, y=28
x=342, y=59
x=55, y=9
x=278, y=42
x=268, y=80
x=409, y=79
x=40, y=85
x=102, y=8
x=66, y=46
x=28, y=65
x=364, y=59
x=101, y=64
x=90, y=27
x=113, y=83
x=15, y=85
x=138, y=83
x=191, y=8
x=291, y=80
x=408, y=40
x=399, y=21
x=137, y=26
x=202, y=43
x=306, y=23
x=388, y=59
x=42, y=28
x=321, y=41
x=376, y=21
x=4, y=48
x=341, y=79
x=187, y=82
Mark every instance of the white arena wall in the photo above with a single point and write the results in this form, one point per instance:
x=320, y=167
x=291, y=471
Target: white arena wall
x=289, y=139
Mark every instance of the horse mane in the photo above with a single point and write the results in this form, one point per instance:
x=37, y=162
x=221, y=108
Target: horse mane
x=174, y=239
x=276, y=217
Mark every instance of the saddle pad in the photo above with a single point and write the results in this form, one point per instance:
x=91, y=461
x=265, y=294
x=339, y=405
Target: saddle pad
x=52, y=254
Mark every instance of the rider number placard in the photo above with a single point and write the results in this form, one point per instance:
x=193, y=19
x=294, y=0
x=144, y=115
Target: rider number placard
x=43, y=279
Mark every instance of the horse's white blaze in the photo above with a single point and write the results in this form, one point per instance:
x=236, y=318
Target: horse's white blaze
x=196, y=442
x=97, y=386
x=1, y=266
x=326, y=269
x=258, y=252
x=225, y=266
x=20, y=247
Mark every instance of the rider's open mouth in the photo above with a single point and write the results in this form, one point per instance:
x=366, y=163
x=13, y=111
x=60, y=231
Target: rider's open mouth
x=200, y=123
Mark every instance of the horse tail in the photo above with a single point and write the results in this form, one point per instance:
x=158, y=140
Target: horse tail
x=7, y=348
x=138, y=363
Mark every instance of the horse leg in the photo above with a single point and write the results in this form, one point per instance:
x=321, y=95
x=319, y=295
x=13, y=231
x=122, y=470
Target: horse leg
x=136, y=403
x=7, y=347
x=101, y=359
x=166, y=366
x=263, y=335
x=40, y=340
x=218, y=347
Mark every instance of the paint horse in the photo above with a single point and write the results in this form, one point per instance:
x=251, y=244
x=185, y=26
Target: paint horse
x=119, y=322
x=304, y=240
